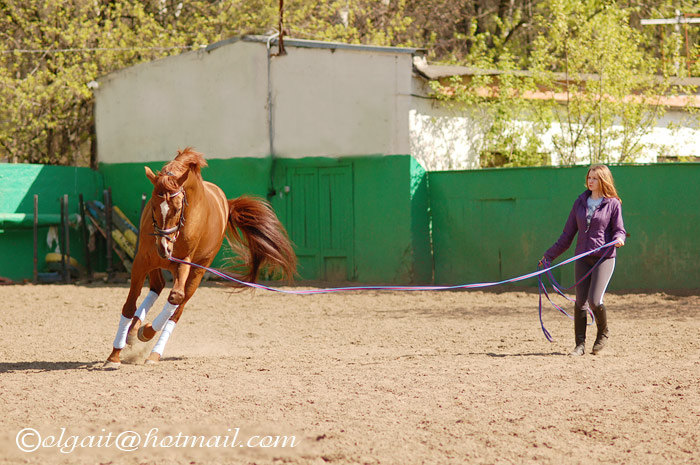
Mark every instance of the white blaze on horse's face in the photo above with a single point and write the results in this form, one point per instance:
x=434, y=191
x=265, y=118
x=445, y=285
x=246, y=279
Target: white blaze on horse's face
x=167, y=227
x=164, y=209
x=165, y=248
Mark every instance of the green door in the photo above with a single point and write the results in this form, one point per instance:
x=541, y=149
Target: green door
x=320, y=221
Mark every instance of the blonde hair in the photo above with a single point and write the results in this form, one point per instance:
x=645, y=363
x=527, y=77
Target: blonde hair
x=607, y=183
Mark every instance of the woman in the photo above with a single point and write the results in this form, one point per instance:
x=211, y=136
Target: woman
x=597, y=218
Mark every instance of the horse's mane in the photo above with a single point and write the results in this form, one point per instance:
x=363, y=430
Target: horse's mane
x=186, y=160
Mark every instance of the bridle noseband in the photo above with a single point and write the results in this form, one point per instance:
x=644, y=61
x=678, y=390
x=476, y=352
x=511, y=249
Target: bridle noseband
x=166, y=233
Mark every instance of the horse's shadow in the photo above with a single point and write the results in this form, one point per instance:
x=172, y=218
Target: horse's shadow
x=41, y=366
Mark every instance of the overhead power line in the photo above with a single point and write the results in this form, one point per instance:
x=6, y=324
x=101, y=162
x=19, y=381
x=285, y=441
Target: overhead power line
x=98, y=49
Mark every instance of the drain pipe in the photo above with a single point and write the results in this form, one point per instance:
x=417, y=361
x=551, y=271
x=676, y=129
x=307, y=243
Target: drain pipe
x=270, y=122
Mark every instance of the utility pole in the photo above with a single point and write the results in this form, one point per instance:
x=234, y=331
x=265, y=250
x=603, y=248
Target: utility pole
x=280, y=47
x=677, y=21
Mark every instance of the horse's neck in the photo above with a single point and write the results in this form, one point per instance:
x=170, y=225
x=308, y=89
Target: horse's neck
x=199, y=199
x=194, y=189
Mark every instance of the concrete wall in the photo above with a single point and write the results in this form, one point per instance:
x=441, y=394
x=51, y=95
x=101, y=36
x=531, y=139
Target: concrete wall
x=213, y=100
x=325, y=102
x=490, y=225
x=339, y=124
x=445, y=138
x=382, y=202
x=340, y=102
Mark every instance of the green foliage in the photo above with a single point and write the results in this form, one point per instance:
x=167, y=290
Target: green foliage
x=595, y=81
x=603, y=65
x=50, y=50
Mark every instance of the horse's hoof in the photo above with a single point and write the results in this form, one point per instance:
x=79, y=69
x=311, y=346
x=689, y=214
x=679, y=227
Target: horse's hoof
x=152, y=359
x=108, y=365
x=142, y=336
x=132, y=335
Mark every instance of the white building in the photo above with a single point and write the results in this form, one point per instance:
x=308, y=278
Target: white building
x=443, y=137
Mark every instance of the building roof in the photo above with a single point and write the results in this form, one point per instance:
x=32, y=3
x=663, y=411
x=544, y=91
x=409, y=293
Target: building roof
x=437, y=72
x=303, y=43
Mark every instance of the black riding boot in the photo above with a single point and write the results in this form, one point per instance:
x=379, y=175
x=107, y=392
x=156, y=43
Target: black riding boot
x=601, y=319
x=579, y=331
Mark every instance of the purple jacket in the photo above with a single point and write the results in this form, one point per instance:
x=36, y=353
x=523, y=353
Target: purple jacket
x=606, y=226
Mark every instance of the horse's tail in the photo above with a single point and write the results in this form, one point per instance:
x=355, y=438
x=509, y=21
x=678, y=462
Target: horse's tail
x=259, y=239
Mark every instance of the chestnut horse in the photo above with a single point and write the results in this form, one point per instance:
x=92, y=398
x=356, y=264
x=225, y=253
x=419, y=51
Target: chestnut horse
x=188, y=218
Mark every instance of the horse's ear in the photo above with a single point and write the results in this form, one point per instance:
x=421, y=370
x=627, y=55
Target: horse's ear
x=151, y=175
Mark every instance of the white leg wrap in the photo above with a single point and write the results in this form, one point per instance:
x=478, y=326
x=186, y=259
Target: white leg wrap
x=164, y=336
x=163, y=316
x=122, y=330
x=146, y=305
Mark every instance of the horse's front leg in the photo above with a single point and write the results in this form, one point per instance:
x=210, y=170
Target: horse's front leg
x=191, y=286
x=177, y=293
x=138, y=276
x=176, y=297
x=156, y=284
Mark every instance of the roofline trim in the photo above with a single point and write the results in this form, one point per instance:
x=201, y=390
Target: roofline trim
x=304, y=43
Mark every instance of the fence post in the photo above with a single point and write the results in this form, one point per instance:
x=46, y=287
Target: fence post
x=35, y=275
x=107, y=194
x=65, y=259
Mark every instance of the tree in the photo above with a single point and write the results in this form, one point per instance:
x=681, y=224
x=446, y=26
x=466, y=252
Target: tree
x=52, y=49
x=590, y=81
x=597, y=51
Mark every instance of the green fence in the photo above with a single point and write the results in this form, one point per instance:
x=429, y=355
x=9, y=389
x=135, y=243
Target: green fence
x=354, y=218
x=18, y=185
x=383, y=219
x=359, y=218
x=495, y=224
x=236, y=176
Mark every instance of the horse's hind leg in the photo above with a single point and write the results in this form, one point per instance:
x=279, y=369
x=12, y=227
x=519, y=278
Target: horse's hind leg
x=191, y=286
x=156, y=283
x=165, y=332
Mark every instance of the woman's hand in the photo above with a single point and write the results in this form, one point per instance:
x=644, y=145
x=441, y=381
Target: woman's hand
x=620, y=242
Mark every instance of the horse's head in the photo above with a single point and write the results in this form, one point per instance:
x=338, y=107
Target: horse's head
x=167, y=209
x=169, y=199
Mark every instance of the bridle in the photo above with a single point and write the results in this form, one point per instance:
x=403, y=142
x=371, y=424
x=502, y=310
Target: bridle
x=167, y=233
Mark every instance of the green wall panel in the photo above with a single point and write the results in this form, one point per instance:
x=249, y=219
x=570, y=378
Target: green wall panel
x=422, y=268
x=383, y=219
x=389, y=214
x=382, y=229
x=236, y=176
x=496, y=224
x=661, y=209
x=18, y=184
